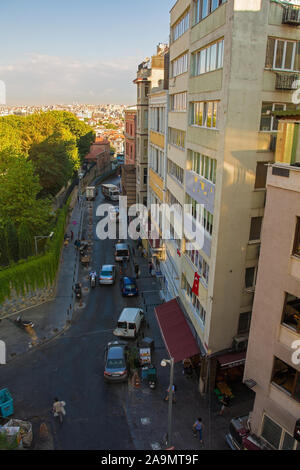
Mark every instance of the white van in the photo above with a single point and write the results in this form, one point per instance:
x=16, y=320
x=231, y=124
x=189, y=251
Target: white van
x=129, y=322
x=122, y=252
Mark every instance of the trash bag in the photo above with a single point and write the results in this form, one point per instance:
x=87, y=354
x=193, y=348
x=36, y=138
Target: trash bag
x=25, y=430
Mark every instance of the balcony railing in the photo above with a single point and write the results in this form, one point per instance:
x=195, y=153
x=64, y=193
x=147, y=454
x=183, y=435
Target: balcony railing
x=291, y=15
x=286, y=81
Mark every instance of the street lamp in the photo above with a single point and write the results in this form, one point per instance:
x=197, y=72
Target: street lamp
x=164, y=363
x=36, y=238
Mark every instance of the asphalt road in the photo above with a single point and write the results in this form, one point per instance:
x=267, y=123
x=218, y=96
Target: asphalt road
x=71, y=368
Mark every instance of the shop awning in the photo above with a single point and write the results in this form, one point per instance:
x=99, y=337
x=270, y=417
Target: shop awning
x=176, y=333
x=232, y=360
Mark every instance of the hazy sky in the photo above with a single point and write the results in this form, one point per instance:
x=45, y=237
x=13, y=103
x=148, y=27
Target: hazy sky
x=60, y=51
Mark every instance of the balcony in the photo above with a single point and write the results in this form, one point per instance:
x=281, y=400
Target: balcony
x=286, y=81
x=291, y=15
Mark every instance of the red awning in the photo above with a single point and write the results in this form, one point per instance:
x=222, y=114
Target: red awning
x=175, y=331
x=232, y=360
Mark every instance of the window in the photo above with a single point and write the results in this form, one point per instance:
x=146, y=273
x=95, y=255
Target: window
x=177, y=137
x=204, y=114
x=203, y=165
x=200, y=214
x=261, y=175
x=200, y=263
x=158, y=119
x=208, y=59
x=296, y=248
x=244, y=322
x=145, y=175
x=269, y=122
x=277, y=436
x=181, y=26
x=180, y=65
x=250, y=275
x=271, y=432
x=255, y=229
x=283, y=55
x=203, y=8
x=146, y=119
x=145, y=148
x=286, y=378
x=175, y=171
x=291, y=312
x=179, y=102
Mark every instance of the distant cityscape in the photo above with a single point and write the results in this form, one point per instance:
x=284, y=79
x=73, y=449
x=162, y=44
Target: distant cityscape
x=107, y=120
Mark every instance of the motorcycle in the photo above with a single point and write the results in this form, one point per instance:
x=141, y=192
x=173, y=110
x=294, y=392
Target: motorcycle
x=78, y=291
x=93, y=279
x=23, y=323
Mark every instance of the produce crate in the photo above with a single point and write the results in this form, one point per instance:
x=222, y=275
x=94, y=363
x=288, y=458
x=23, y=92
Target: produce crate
x=6, y=403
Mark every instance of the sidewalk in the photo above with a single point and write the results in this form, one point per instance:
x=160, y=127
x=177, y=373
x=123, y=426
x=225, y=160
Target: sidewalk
x=146, y=411
x=51, y=317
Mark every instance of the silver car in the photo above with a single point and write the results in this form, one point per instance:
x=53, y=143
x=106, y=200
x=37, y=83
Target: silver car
x=107, y=274
x=115, y=368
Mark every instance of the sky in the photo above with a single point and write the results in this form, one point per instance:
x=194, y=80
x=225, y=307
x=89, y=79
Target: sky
x=85, y=51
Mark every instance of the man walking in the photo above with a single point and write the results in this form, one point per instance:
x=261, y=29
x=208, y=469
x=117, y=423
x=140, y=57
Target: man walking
x=198, y=427
x=136, y=270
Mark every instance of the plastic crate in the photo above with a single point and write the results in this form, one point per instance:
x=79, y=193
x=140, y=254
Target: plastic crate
x=6, y=403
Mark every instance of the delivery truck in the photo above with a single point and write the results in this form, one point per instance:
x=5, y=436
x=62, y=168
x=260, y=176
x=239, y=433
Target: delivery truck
x=110, y=191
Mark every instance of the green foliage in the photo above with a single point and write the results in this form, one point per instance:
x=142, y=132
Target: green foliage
x=19, y=187
x=6, y=443
x=4, y=261
x=11, y=238
x=83, y=133
x=55, y=160
x=25, y=241
x=38, y=271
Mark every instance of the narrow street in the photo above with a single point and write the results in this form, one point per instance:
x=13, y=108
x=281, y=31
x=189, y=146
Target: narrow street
x=103, y=416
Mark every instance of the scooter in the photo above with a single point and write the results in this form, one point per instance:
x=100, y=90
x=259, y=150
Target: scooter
x=93, y=277
x=23, y=323
x=77, y=291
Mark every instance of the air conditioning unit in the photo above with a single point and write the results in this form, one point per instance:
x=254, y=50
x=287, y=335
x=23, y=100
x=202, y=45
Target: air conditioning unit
x=240, y=343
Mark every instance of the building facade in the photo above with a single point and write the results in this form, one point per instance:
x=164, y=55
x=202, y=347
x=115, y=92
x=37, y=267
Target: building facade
x=231, y=64
x=129, y=167
x=273, y=357
x=149, y=73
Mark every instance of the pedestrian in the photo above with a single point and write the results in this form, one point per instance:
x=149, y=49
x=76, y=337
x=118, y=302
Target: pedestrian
x=58, y=408
x=173, y=394
x=136, y=270
x=72, y=235
x=150, y=266
x=225, y=403
x=198, y=427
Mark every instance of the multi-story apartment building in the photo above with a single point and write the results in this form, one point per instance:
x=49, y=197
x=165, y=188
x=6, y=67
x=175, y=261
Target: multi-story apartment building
x=273, y=357
x=149, y=73
x=129, y=168
x=231, y=63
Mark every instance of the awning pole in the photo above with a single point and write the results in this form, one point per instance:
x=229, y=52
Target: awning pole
x=170, y=402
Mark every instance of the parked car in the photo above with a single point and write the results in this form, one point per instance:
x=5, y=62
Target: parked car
x=129, y=287
x=115, y=368
x=107, y=274
x=129, y=323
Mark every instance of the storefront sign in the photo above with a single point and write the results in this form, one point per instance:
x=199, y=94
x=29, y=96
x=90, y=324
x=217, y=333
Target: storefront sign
x=145, y=356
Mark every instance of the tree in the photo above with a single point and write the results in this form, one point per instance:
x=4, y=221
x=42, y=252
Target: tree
x=19, y=187
x=4, y=261
x=25, y=241
x=55, y=160
x=11, y=237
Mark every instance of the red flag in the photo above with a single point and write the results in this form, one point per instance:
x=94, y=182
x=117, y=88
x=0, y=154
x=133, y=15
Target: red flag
x=195, y=288
x=178, y=252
